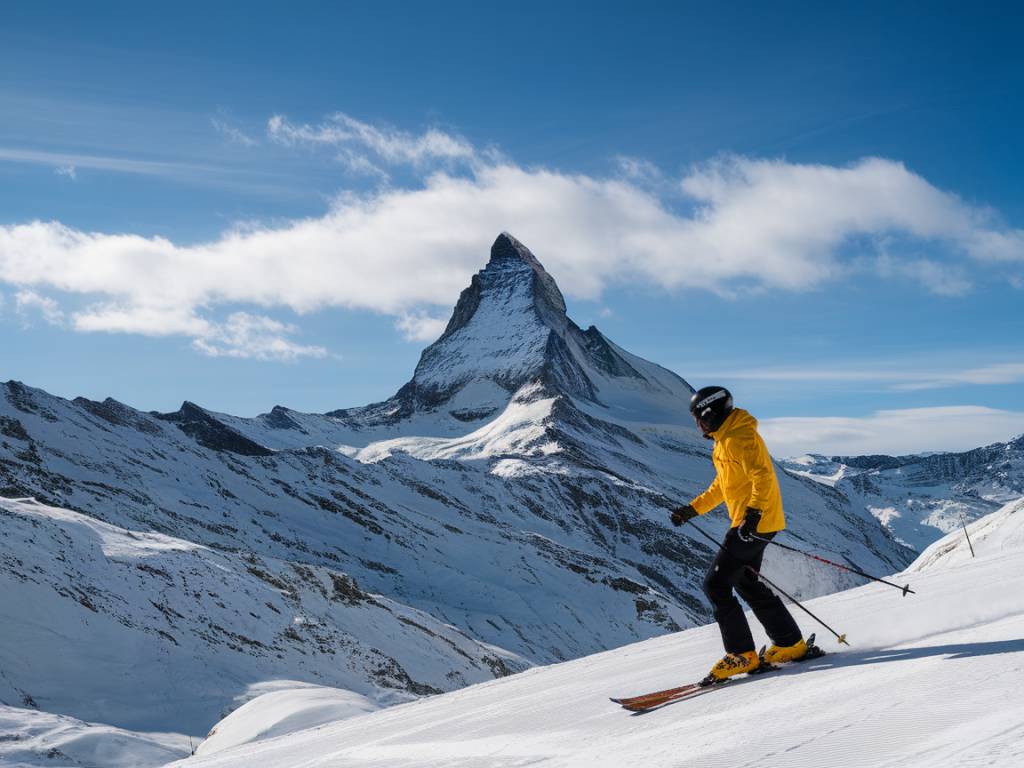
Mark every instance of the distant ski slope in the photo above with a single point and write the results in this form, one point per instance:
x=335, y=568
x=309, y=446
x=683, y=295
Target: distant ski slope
x=933, y=679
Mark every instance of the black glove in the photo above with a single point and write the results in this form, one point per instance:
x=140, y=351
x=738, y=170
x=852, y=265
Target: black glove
x=683, y=514
x=748, y=529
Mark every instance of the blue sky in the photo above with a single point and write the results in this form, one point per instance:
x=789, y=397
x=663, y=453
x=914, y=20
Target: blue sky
x=821, y=209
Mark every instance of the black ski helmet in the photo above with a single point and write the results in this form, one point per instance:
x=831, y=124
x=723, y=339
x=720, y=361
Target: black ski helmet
x=710, y=406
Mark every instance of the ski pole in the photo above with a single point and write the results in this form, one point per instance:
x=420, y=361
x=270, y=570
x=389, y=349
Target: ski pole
x=904, y=589
x=798, y=604
x=757, y=574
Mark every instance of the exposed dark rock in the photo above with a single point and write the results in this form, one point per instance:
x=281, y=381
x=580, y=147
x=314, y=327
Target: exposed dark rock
x=23, y=398
x=278, y=418
x=473, y=414
x=12, y=428
x=118, y=414
x=211, y=433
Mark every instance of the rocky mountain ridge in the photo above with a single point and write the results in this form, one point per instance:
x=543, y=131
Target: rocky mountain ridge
x=920, y=498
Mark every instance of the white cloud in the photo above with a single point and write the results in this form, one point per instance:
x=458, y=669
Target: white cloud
x=418, y=326
x=233, y=134
x=360, y=165
x=1007, y=246
x=389, y=144
x=59, y=160
x=895, y=432
x=1000, y=373
x=922, y=376
x=147, y=319
x=66, y=170
x=638, y=169
x=751, y=225
x=245, y=180
x=253, y=336
x=28, y=303
x=939, y=278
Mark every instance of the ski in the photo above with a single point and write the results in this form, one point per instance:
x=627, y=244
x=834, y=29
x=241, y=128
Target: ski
x=648, y=701
x=655, y=695
x=693, y=691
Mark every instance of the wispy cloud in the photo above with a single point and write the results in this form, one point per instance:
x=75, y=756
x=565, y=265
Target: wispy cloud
x=29, y=304
x=939, y=278
x=916, y=430
x=729, y=226
x=233, y=134
x=925, y=376
x=389, y=145
x=1002, y=373
x=257, y=337
x=59, y=160
x=247, y=180
x=419, y=326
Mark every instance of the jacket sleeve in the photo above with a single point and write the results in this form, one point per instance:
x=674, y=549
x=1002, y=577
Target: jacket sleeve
x=757, y=465
x=710, y=499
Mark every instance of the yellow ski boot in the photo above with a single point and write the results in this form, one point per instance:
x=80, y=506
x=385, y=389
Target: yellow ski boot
x=780, y=654
x=733, y=664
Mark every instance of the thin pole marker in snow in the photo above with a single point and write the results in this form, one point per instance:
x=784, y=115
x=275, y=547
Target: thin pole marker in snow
x=966, y=535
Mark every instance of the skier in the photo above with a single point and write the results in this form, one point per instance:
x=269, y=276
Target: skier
x=746, y=482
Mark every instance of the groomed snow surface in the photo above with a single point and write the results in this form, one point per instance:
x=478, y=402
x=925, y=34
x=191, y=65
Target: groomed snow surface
x=931, y=679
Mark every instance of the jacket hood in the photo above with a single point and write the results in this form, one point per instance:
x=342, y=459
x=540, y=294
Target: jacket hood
x=737, y=421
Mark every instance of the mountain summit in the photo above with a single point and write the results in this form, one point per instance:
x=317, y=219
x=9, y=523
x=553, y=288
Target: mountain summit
x=509, y=331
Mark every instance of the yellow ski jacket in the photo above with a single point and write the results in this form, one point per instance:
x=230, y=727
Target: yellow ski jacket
x=745, y=475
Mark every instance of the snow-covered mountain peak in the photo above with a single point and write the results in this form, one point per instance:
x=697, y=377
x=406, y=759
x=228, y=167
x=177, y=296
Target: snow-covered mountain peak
x=508, y=248
x=508, y=255
x=499, y=332
x=509, y=331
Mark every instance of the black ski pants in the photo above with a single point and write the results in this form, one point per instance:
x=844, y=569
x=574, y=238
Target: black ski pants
x=730, y=571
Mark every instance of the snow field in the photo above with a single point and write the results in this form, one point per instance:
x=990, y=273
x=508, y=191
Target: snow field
x=932, y=679
x=292, y=707
x=30, y=738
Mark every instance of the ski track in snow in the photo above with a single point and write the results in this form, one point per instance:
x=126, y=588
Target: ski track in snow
x=933, y=679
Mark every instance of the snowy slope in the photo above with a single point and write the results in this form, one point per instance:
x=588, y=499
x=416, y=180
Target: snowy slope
x=922, y=498
x=287, y=708
x=932, y=679
x=153, y=633
x=999, y=532
x=30, y=738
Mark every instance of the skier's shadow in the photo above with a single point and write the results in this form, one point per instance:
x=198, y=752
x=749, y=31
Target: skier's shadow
x=950, y=651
